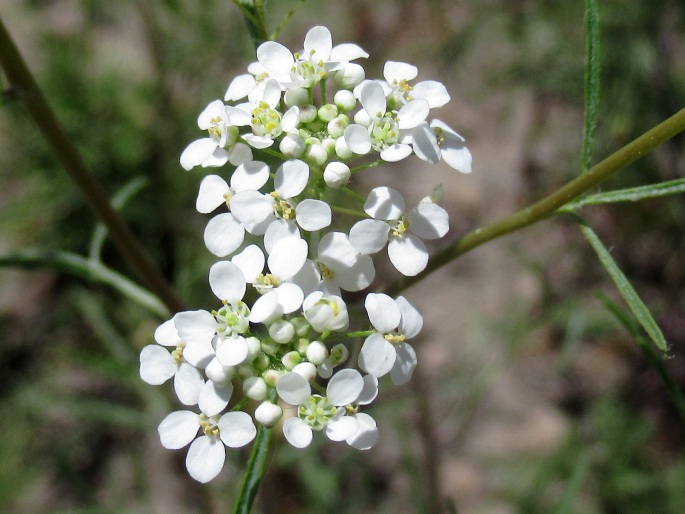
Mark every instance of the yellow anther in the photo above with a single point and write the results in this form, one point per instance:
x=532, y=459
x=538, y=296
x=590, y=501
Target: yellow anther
x=395, y=338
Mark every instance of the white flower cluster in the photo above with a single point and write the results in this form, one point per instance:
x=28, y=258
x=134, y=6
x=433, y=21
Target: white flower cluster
x=281, y=331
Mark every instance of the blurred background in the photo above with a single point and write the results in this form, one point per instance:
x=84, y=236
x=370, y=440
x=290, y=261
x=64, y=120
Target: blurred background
x=530, y=396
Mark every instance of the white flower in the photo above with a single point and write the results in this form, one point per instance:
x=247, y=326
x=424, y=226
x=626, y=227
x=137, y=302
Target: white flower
x=398, y=75
x=315, y=412
x=223, y=134
x=157, y=364
x=402, y=230
x=325, y=313
x=367, y=433
x=437, y=140
x=386, y=351
x=214, y=190
x=389, y=133
x=206, y=455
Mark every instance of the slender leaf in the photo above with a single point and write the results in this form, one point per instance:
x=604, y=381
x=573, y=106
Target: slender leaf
x=255, y=18
x=592, y=66
x=118, y=201
x=87, y=269
x=630, y=324
x=286, y=19
x=254, y=472
x=636, y=305
x=580, y=471
x=632, y=194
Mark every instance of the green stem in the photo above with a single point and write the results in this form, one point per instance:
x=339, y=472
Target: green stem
x=254, y=472
x=23, y=85
x=253, y=12
x=548, y=206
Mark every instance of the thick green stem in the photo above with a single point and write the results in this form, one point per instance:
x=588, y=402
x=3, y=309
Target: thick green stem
x=548, y=206
x=254, y=472
x=23, y=85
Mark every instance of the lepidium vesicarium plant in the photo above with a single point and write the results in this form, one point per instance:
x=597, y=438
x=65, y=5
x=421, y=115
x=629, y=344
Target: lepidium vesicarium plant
x=280, y=334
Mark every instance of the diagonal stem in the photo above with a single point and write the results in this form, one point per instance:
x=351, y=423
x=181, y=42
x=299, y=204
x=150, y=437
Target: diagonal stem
x=548, y=206
x=23, y=85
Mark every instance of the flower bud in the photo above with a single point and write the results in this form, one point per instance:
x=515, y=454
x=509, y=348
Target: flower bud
x=262, y=362
x=296, y=96
x=336, y=174
x=316, y=352
x=292, y=145
x=345, y=100
x=291, y=359
x=306, y=370
x=316, y=155
x=253, y=348
x=336, y=127
x=329, y=145
x=271, y=376
x=308, y=113
x=327, y=112
x=342, y=150
x=302, y=345
x=282, y=331
x=268, y=414
x=339, y=354
x=302, y=326
x=269, y=346
x=245, y=371
x=255, y=388
x=325, y=369
x=351, y=75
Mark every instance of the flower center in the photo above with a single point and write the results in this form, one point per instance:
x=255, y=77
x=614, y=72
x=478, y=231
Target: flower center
x=216, y=130
x=308, y=71
x=209, y=425
x=266, y=121
x=439, y=135
x=395, y=338
x=400, y=227
x=317, y=412
x=384, y=131
x=325, y=272
x=232, y=319
x=264, y=283
x=177, y=354
x=282, y=208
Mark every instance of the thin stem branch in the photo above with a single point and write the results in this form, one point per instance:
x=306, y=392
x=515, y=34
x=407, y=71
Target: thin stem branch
x=548, y=206
x=24, y=86
x=255, y=471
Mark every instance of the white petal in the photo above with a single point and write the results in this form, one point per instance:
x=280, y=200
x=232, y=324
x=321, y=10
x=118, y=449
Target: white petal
x=428, y=220
x=218, y=158
x=287, y=257
x=412, y=320
x=199, y=353
x=297, y=432
x=396, y=152
x=275, y=57
x=238, y=117
x=318, y=44
x=215, y=109
x=264, y=308
x=178, y=429
x=278, y=230
x=370, y=390
x=258, y=142
x=272, y=93
x=425, y=144
x=434, y=92
x=308, y=277
x=336, y=251
x=293, y=389
x=250, y=261
x=367, y=435
x=290, y=119
x=342, y=427
x=357, y=139
x=291, y=178
x=227, y=281
x=239, y=154
x=223, y=234
x=290, y=297
x=239, y=87
x=214, y=398
x=188, y=383
x=197, y=151
x=369, y=236
x=252, y=207
x=166, y=334
x=249, y=175
x=357, y=277
x=394, y=71
x=372, y=97
x=232, y=351
x=384, y=203
x=313, y=215
x=412, y=113
x=384, y=313
x=347, y=52
x=156, y=364
x=205, y=459
x=195, y=326
x=236, y=429
x=344, y=387
x=377, y=355
x=404, y=365
x=408, y=254
x=211, y=194
x=457, y=156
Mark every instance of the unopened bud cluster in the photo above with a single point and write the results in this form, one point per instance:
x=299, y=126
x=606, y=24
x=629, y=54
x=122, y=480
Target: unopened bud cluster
x=288, y=136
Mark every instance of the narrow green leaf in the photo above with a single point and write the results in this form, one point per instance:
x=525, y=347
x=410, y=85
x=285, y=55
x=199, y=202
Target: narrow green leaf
x=254, y=472
x=592, y=67
x=636, y=305
x=88, y=269
x=286, y=19
x=654, y=359
x=118, y=201
x=254, y=14
x=632, y=194
x=580, y=471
